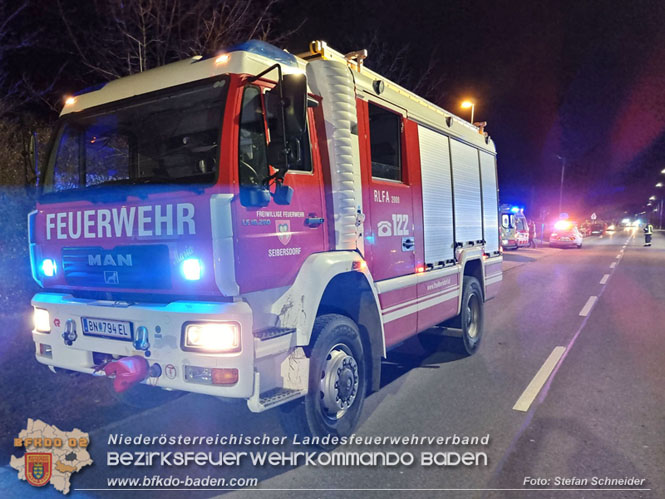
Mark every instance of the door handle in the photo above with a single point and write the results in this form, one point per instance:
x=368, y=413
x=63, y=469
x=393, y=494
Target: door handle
x=314, y=221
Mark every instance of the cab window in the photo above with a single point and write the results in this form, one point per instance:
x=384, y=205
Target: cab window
x=385, y=138
x=252, y=154
x=505, y=221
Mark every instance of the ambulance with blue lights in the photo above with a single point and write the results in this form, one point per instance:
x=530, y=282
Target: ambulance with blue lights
x=514, y=227
x=262, y=226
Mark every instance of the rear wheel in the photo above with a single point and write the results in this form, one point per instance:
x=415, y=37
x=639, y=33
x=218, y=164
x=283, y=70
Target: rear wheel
x=471, y=315
x=337, y=382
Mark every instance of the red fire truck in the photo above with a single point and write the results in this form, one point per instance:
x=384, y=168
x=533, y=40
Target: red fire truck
x=260, y=225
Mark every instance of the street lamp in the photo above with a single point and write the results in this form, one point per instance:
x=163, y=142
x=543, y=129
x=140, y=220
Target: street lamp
x=563, y=169
x=469, y=104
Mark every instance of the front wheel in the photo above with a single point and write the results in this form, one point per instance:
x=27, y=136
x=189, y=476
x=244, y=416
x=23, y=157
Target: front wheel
x=337, y=382
x=471, y=315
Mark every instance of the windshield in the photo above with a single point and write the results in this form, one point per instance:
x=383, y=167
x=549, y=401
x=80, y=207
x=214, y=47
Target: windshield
x=164, y=139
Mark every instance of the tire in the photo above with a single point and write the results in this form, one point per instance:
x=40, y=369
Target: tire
x=471, y=316
x=336, y=356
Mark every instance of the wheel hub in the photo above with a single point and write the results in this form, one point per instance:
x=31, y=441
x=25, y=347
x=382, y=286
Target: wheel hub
x=339, y=381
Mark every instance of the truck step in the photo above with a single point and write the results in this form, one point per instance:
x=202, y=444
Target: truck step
x=278, y=396
x=273, y=332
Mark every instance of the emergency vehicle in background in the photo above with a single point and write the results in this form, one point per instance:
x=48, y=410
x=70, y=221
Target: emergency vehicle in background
x=566, y=234
x=514, y=227
x=263, y=226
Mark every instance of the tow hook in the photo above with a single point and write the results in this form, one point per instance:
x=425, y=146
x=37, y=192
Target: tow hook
x=70, y=332
x=127, y=371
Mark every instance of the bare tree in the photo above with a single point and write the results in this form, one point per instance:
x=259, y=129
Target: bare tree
x=398, y=65
x=11, y=94
x=130, y=36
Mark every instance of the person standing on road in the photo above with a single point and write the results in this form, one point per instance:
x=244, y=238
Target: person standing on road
x=648, y=232
x=532, y=234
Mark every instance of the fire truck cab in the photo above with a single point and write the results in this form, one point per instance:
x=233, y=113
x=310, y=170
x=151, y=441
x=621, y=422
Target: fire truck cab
x=260, y=225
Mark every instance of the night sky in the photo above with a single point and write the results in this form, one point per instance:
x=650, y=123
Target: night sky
x=584, y=80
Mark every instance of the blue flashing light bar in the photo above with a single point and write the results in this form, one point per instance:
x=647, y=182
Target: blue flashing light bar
x=191, y=269
x=266, y=50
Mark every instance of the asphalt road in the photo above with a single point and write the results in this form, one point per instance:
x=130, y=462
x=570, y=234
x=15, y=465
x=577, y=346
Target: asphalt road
x=599, y=414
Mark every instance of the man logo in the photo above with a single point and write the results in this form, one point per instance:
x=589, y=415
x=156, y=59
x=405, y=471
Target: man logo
x=385, y=229
x=111, y=277
x=283, y=231
x=38, y=468
x=109, y=261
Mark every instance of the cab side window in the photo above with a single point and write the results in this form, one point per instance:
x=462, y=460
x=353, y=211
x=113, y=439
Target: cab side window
x=385, y=143
x=252, y=154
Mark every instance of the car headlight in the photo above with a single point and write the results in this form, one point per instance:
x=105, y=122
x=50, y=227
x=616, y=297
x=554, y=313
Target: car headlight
x=41, y=320
x=212, y=337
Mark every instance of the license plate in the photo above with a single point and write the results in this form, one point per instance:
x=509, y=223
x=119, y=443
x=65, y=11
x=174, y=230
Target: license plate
x=120, y=330
x=565, y=239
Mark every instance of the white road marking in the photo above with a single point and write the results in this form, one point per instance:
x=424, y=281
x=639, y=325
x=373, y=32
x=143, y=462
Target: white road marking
x=605, y=278
x=619, y=255
x=613, y=264
x=531, y=391
x=588, y=305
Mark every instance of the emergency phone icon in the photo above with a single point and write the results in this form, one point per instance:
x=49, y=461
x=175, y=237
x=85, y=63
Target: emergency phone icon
x=385, y=229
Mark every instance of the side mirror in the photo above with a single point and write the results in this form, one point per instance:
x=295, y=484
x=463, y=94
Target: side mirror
x=283, y=194
x=287, y=120
x=293, y=88
x=254, y=196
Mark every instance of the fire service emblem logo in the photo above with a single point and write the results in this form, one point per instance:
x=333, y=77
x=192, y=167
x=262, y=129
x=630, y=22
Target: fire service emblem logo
x=38, y=468
x=283, y=231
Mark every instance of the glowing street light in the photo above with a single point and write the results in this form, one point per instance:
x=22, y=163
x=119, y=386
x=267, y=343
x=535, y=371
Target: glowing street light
x=659, y=184
x=663, y=171
x=652, y=198
x=469, y=104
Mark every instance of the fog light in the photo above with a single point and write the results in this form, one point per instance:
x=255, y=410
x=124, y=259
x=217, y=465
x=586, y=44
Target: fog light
x=211, y=376
x=212, y=337
x=41, y=320
x=48, y=267
x=191, y=269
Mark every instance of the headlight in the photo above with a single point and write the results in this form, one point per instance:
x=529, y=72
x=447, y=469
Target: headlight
x=212, y=337
x=41, y=320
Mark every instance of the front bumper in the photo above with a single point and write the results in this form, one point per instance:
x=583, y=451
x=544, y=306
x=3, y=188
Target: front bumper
x=164, y=322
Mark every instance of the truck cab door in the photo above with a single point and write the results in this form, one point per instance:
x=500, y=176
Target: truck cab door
x=272, y=242
x=390, y=241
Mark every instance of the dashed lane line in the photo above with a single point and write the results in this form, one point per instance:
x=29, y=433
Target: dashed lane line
x=588, y=306
x=531, y=391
